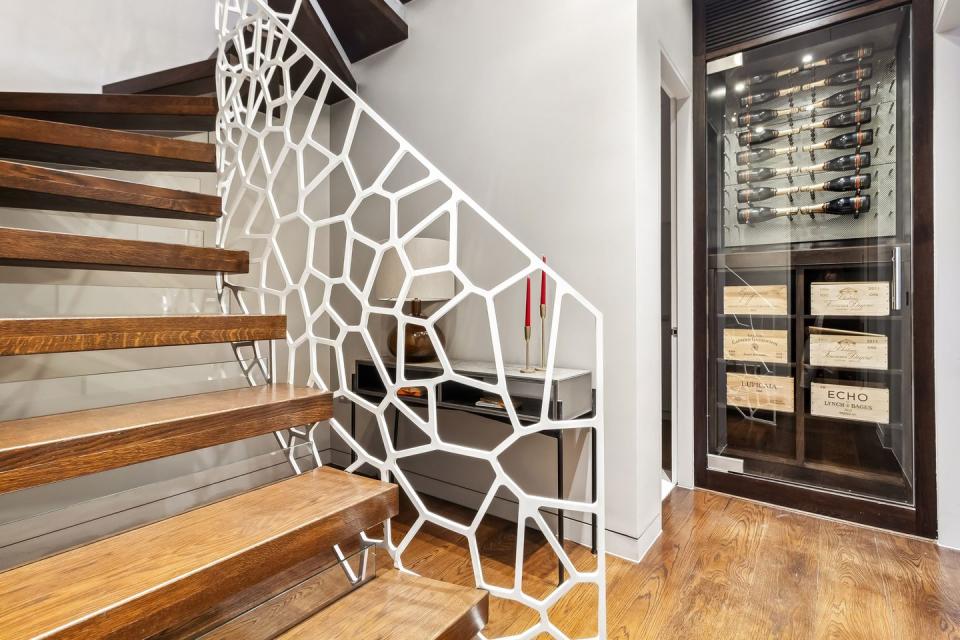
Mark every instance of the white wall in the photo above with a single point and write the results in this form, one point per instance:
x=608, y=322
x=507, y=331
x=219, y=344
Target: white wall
x=70, y=46
x=946, y=69
x=546, y=113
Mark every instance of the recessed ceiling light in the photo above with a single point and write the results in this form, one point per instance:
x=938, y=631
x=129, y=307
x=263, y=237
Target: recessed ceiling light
x=807, y=58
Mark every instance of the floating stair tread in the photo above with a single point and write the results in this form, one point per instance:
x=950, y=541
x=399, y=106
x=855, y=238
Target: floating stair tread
x=35, y=187
x=50, y=448
x=399, y=606
x=120, y=111
x=73, y=144
x=139, y=583
x=24, y=336
x=364, y=27
x=66, y=250
x=192, y=79
x=309, y=27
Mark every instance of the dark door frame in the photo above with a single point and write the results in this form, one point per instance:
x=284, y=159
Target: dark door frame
x=922, y=518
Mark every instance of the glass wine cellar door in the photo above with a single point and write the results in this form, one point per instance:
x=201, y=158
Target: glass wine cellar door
x=809, y=237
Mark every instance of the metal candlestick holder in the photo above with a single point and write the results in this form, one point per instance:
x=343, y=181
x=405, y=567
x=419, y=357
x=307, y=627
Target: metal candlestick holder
x=543, y=338
x=526, y=338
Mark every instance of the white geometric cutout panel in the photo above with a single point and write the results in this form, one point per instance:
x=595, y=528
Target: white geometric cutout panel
x=321, y=198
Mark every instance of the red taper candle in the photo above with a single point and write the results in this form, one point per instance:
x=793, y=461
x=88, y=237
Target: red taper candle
x=526, y=322
x=543, y=284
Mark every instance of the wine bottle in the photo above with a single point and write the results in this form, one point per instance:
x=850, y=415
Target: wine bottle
x=842, y=163
x=839, y=99
x=836, y=121
x=846, y=183
x=844, y=77
x=840, y=207
x=840, y=57
x=843, y=141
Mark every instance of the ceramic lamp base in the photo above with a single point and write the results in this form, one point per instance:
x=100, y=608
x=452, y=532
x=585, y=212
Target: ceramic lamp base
x=417, y=345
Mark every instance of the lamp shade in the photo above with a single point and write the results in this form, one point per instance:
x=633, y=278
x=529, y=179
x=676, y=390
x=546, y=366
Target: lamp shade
x=423, y=253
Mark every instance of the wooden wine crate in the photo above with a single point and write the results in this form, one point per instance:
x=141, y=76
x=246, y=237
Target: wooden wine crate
x=756, y=345
x=748, y=391
x=766, y=300
x=850, y=298
x=867, y=404
x=852, y=349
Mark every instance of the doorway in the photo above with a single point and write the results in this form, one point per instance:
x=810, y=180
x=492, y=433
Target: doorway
x=668, y=292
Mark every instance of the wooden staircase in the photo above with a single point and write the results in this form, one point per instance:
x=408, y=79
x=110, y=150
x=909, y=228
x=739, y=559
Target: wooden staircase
x=257, y=565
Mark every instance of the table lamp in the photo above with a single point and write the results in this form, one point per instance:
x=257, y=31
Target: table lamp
x=436, y=287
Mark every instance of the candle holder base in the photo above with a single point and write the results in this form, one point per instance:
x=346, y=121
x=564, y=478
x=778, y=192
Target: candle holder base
x=529, y=370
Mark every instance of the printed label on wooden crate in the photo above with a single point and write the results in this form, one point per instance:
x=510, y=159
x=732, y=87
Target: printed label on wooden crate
x=749, y=391
x=867, y=404
x=850, y=298
x=756, y=345
x=766, y=300
x=838, y=348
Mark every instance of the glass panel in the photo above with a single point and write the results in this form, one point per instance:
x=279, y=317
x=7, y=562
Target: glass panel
x=809, y=227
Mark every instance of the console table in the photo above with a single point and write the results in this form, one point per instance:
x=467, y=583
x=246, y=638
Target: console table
x=572, y=396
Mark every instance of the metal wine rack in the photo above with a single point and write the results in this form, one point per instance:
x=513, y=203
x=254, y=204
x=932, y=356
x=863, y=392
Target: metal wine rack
x=880, y=221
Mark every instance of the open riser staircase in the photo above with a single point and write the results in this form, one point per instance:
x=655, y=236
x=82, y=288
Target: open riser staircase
x=313, y=554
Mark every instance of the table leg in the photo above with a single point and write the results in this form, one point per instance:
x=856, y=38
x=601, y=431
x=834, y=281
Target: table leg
x=396, y=433
x=560, y=516
x=353, y=429
x=593, y=480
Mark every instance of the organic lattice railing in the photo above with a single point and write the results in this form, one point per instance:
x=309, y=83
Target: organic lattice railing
x=303, y=186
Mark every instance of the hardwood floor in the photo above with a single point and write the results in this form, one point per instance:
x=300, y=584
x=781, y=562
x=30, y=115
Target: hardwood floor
x=724, y=568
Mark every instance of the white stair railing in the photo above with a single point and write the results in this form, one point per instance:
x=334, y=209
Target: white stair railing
x=282, y=169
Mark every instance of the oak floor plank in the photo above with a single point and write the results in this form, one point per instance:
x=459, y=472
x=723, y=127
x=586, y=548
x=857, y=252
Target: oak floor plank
x=692, y=567
x=782, y=606
x=851, y=598
x=775, y=590
x=918, y=575
x=142, y=582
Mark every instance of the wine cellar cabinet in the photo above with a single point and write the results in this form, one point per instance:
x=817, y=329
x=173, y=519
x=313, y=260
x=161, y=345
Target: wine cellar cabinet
x=813, y=255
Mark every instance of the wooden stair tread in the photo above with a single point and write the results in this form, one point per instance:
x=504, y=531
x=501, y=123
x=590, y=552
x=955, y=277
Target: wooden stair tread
x=35, y=187
x=24, y=336
x=72, y=251
x=192, y=79
x=50, y=448
x=399, y=607
x=364, y=27
x=73, y=144
x=141, y=582
x=312, y=32
x=118, y=111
